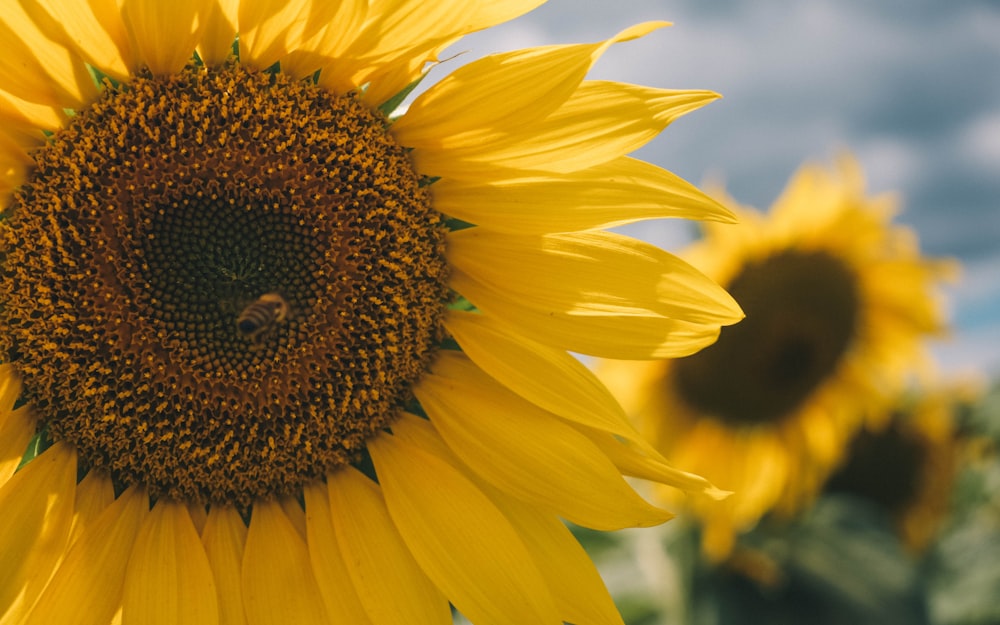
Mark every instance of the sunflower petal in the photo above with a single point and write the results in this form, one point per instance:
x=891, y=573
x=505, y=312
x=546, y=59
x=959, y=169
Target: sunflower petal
x=37, y=506
x=625, y=336
x=556, y=381
x=16, y=426
x=221, y=24
x=400, y=593
x=328, y=564
x=87, y=587
x=269, y=31
x=621, y=273
x=453, y=529
x=601, y=121
x=639, y=460
x=392, y=45
x=37, y=69
x=591, y=272
x=549, y=378
x=511, y=443
x=278, y=585
x=618, y=192
x=502, y=89
x=331, y=28
x=294, y=513
x=93, y=29
x=10, y=387
x=16, y=431
x=169, y=580
x=28, y=120
x=576, y=586
x=493, y=12
x=94, y=494
x=402, y=31
x=223, y=538
x=164, y=34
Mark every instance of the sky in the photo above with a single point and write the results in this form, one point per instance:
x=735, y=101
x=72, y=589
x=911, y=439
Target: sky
x=911, y=87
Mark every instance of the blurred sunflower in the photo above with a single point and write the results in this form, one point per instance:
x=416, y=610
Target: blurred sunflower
x=273, y=354
x=908, y=466
x=837, y=302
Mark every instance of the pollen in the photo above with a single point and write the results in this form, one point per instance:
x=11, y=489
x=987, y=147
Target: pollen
x=169, y=208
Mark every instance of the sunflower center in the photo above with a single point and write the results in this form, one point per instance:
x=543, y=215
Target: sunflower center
x=883, y=467
x=220, y=283
x=801, y=314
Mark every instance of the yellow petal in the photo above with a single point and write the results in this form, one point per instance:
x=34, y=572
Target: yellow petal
x=549, y=378
x=561, y=384
x=93, y=29
x=391, y=585
x=575, y=584
x=588, y=273
x=577, y=277
x=294, y=513
x=639, y=460
x=16, y=430
x=493, y=12
x=577, y=587
x=600, y=122
x=223, y=538
x=37, y=69
x=10, y=387
x=396, y=40
x=278, y=584
x=199, y=515
x=491, y=94
x=37, y=506
x=221, y=20
x=87, y=587
x=270, y=30
x=16, y=426
x=331, y=28
x=164, y=34
x=328, y=564
x=526, y=451
x=396, y=30
x=94, y=494
x=621, y=191
x=620, y=336
x=27, y=119
x=460, y=538
x=169, y=580
x=343, y=28
x=14, y=161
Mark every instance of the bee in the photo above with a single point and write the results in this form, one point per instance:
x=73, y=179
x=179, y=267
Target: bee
x=261, y=316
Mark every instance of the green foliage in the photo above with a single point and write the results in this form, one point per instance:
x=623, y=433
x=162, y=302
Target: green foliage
x=964, y=571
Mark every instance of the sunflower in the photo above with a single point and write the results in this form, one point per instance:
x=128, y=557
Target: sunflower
x=276, y=352
x=908, y=466
x=837, y=300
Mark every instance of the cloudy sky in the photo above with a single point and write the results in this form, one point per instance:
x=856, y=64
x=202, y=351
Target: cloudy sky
x=912, y=87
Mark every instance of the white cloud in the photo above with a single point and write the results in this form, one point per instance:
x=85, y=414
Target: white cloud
x=980, y=142
x=890, y=162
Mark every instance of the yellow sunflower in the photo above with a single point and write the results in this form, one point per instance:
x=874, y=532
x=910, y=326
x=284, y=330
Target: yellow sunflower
x=274, y=354
x=908, y=466
x=838, y=302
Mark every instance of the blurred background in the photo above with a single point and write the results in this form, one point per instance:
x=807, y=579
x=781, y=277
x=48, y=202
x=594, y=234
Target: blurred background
x=912, y=89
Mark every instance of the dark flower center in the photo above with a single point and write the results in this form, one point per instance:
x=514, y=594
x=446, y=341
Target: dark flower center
x=220, y=283
x=801, y=316
x=884, y=467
